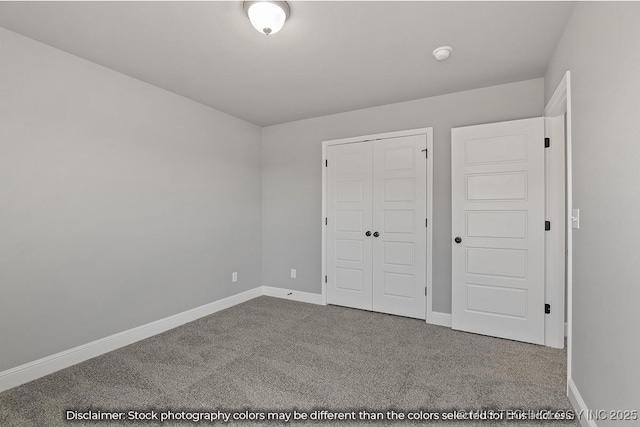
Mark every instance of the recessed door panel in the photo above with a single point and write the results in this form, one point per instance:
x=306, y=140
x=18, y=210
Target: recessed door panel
x=349, y=250
x=497, y=224
x=350, y=279
x=349, y=221
x=399, y=253
x=349, y=192
x=352, y=163
x=497, y=301
x=402, y=222
x=497, y=262
x=399, y=285
x=397, y=158
x=497, y=186
x=496, y=149
x=399, y=190
x=497, y=203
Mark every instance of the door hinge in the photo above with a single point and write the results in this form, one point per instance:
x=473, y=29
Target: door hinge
x=547, y=309
x=325, y=221
x=547, y=225
x=426, y=153
x=326, y=163
x=547, y=142
x=425, y=292
x=426, y=222
x=325, y=279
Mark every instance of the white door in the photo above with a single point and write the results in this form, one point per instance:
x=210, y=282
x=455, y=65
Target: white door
x=349, y=249
x=399, y=214
x=498, y=226
x=376, y=230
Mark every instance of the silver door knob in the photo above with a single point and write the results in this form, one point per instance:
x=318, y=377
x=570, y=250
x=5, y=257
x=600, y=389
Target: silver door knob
x=376, y=234
x=458, y=240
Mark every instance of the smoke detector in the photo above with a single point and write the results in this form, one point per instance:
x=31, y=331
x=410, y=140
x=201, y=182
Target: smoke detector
x=442, y=52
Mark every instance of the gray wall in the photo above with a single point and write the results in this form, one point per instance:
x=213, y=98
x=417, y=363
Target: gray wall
x=292, y=187
x=120, y=203
x=601, y=47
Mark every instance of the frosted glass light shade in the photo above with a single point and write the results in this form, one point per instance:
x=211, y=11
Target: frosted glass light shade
x=268, y=17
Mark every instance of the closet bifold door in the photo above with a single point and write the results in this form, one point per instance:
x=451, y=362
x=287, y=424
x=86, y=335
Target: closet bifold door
x=349, y=246
x=399, y=214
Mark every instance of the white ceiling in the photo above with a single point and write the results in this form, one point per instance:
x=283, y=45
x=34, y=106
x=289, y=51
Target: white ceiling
x=330, y=57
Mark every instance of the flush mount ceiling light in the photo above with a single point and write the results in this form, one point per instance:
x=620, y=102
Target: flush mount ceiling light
x=442, y=52
x=267, y=16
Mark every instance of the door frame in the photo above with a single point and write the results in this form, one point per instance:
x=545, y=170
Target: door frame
x=428, y=132
x=559, y=108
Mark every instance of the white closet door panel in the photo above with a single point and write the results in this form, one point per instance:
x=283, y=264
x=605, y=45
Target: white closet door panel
x=349, y=201
x=497, y=175
x=399, y=213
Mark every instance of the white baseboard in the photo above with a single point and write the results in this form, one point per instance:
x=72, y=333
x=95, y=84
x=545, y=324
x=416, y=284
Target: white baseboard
x=578, y=405
x=30, y=371
x=308, y=297
x=442, y=319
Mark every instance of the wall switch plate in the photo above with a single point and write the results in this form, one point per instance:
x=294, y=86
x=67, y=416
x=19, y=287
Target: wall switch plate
x=234, y=276
x=575, y=219
x=293, y=273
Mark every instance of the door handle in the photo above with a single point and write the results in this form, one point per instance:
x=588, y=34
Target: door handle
x=368, y=234
x=458, y=240
x=376, y=234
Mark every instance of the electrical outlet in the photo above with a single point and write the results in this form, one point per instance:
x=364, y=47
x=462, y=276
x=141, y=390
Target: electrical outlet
x=293, y=273
x=234, y=276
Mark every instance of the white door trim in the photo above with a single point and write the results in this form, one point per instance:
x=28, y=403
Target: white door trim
x=420, y=131
x=559, y=105
x=555, y=238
